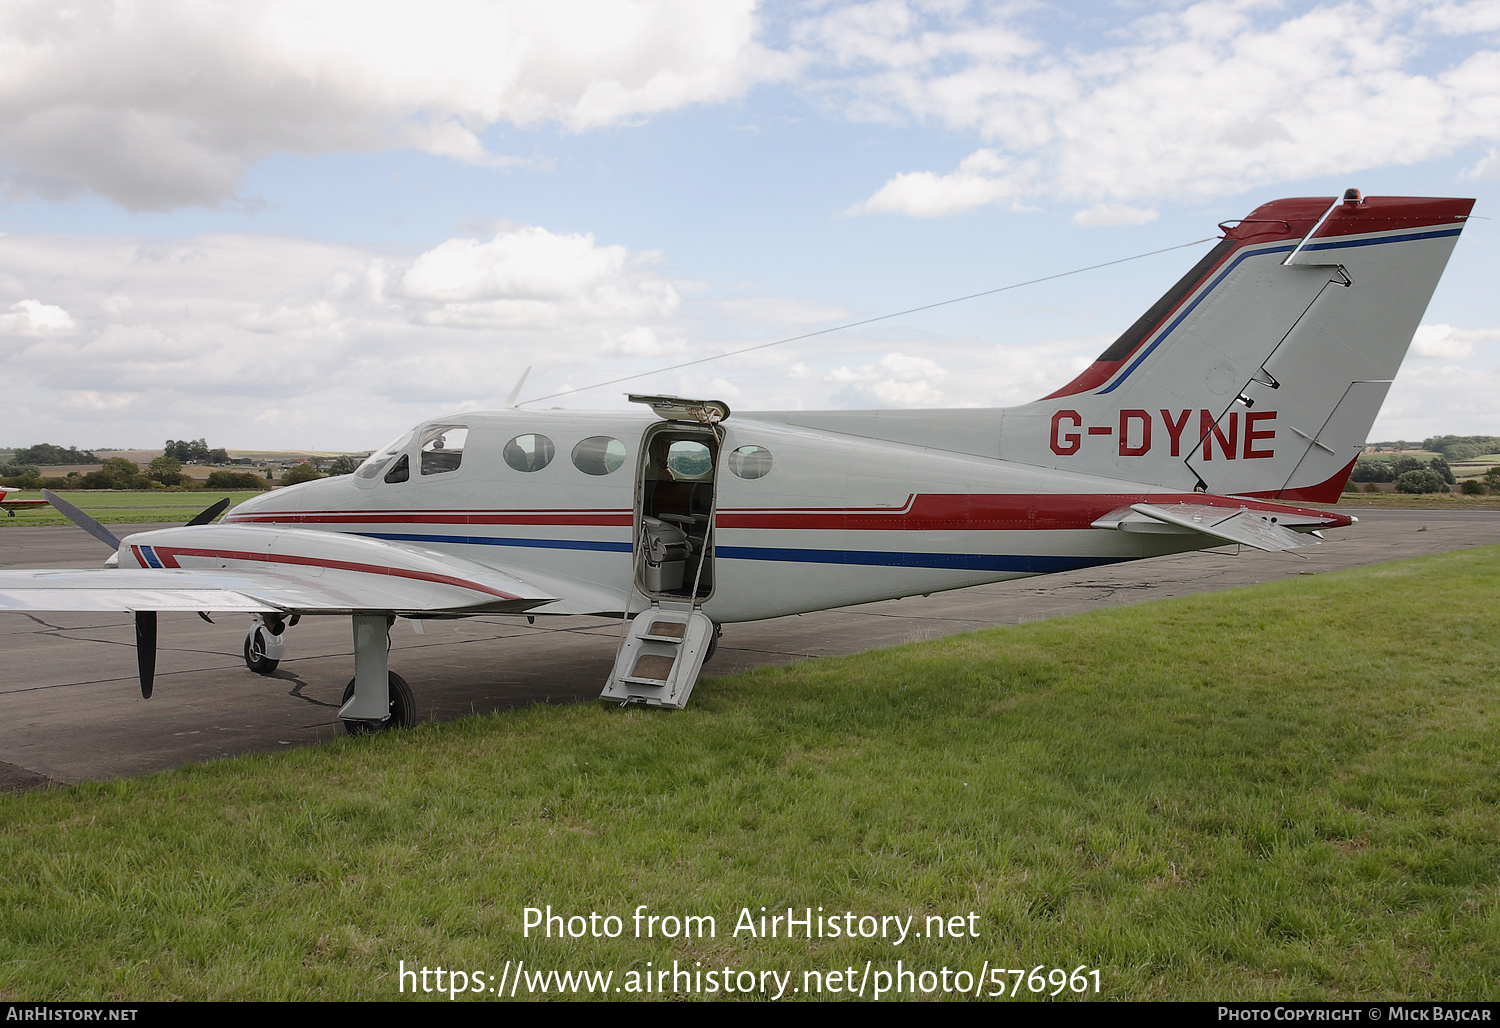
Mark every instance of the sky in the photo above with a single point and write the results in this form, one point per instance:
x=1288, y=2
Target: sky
x=311, y=225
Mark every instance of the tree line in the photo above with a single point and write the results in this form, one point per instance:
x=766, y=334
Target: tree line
x=23, y=470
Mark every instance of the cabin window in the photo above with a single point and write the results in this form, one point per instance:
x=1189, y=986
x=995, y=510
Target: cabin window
x=599, y=455
x=750, y=462
x=442, y=448
x=400, y=471
x=529, y=452
x=689, y=460
x=376, y=462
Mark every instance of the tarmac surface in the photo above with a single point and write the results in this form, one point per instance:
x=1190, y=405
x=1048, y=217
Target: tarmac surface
x=73, y=711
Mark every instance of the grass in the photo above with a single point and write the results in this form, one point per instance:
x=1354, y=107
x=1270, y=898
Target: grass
x=124, y=508
x=1284, y=792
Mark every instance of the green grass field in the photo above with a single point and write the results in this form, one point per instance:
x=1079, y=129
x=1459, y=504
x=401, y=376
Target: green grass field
x=1288, y=791
x=123, y=508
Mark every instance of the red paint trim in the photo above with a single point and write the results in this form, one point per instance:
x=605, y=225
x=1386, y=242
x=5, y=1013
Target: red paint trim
x=342, y=565
x=1101, y=371
x=1004, y=512
x=1376, y=214
x=607, y=518
x=998, y=513
x=1327, y=491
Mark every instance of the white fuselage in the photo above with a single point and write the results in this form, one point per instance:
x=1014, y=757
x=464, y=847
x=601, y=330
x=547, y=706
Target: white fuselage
x=836, y=520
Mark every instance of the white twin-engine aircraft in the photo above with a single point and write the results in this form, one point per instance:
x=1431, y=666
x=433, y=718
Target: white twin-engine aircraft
x=1244, y=392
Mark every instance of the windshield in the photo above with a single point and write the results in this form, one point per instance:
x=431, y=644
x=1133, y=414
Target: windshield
x=376, y=462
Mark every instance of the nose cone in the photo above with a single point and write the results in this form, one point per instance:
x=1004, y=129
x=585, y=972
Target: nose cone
x=283, y=505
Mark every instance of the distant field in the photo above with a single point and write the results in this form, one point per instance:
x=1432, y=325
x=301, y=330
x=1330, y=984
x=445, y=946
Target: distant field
x=123, y=508
x=1422, y=455
x=1284, y=792
x=1409, y=501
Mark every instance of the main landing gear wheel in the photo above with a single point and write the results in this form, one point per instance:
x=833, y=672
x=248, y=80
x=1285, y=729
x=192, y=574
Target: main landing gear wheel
x=255, y=652
x=403, y=709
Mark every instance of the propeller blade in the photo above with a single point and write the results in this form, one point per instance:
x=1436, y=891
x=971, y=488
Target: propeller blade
x=145, y=649
x=81, y=519
x=208, y=515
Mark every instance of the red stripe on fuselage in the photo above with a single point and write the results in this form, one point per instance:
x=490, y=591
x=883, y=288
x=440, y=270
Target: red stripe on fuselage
x=1004, y=512
x=606, y=518
x=319, y=562
x=995, y=513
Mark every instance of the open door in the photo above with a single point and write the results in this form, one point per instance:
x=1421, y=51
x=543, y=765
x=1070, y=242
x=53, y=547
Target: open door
x=676, y=482
x=675, y=492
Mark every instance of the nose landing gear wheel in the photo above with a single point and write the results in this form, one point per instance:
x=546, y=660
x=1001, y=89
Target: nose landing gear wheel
x=403, y=709
x=255, y=652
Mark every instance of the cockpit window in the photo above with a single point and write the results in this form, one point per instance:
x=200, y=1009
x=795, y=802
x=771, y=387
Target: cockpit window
x=376, y=462
x=529, y=452
x=400, y=471
x=442, y=448
x=599, y=455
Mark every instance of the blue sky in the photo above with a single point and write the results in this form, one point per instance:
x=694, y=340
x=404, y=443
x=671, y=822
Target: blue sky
x=312, y=224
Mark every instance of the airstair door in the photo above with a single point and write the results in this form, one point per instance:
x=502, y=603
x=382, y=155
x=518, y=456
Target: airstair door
x=660, y=657
x=662, y=652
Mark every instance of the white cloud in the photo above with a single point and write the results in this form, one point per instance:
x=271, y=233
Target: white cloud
x=982, y=178
x=214, y=331
x=34, y=318
x=159, y=103
x=896, y=380
x=1214, y=98
x=1102, y=214
x=156, y=104
x=1445, y=342
x=529, y=276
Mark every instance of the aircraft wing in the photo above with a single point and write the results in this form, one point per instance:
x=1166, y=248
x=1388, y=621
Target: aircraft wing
x=11, y=506
x=1261, y=529
x=239, y=568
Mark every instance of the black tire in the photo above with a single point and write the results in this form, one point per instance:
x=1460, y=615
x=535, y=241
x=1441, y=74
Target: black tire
x=255, y=653
x=403, y=709
x=713, y=644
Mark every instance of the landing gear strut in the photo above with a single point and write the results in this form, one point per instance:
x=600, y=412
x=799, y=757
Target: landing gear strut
x=376, y=698
x=403, y=707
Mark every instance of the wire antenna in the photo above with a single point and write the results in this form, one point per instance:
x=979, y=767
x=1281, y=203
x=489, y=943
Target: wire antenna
x=866, y=321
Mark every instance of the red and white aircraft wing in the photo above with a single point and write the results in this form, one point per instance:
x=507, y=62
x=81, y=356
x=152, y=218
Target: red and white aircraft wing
x=267, y=570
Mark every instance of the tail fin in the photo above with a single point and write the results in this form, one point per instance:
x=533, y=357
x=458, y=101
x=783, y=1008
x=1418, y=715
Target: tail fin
x=1262, y=370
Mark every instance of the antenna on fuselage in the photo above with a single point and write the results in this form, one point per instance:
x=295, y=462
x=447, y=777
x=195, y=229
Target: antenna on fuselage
x=510, y=401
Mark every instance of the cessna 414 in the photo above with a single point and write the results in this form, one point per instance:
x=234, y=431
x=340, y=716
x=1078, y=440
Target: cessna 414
x=1242, y=394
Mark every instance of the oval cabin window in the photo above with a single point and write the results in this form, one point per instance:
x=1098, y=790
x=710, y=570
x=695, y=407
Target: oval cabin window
x=750, y=462
x=529, y=452
x=599, y=455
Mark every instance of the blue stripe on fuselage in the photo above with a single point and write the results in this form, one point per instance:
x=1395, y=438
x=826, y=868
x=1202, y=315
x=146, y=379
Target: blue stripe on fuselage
x=1023, y=563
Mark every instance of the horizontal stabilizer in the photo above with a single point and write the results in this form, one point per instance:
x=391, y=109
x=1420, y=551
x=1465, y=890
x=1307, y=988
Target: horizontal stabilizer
x=1262, y=530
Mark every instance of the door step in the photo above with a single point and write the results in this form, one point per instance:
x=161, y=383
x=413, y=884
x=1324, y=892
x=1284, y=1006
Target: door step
x=659, y=658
